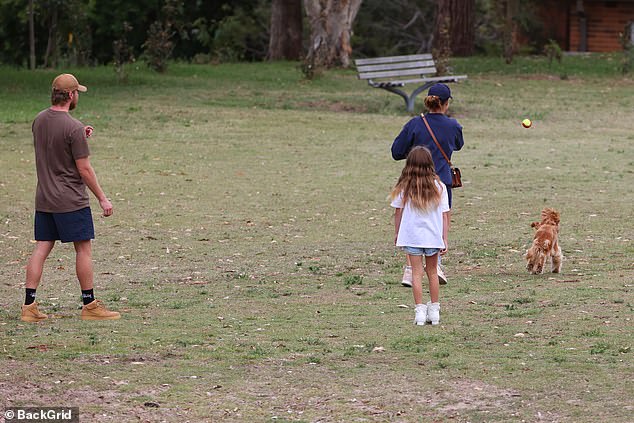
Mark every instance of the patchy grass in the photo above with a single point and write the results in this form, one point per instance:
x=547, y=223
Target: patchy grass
x=251, y=253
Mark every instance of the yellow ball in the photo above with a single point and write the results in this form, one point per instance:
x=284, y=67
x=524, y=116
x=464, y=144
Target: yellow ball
x=526, y=123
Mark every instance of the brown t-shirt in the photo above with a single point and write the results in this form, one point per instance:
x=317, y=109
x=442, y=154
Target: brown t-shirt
x=59, y=140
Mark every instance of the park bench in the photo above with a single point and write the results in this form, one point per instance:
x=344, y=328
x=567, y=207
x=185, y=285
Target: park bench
x=392, y=72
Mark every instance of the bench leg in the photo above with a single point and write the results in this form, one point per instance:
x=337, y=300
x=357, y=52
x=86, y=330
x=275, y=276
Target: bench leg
x=409, y=100
x=410, y=108
x=408, y=103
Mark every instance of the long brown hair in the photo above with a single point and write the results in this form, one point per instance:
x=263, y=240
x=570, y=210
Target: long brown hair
x=418, y=181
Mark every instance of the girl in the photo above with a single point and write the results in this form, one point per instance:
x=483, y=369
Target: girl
x=421, y=204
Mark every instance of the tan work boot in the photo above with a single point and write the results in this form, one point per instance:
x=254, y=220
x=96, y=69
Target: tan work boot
x=97, y=311
x=30, y=313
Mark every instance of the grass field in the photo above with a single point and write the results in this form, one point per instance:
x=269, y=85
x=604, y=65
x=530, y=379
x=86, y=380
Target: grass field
x=251, y=252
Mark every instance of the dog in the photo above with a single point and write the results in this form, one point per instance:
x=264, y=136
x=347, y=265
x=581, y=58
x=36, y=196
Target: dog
x=545, y=243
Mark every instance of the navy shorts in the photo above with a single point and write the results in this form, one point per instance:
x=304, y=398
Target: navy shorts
x=66, y=227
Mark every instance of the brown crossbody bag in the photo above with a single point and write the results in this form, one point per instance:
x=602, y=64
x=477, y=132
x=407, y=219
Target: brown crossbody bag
x=456, y=176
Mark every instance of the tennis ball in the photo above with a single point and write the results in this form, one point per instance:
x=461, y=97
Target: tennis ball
x=526, y=123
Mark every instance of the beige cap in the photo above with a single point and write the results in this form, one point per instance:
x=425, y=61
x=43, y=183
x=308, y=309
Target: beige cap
x=67, y=82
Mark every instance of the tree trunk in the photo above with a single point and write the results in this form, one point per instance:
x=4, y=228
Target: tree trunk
x=510, y=29
x=463, y=27
x=31, y=36
x=330, y=31
x=455, y=27
x=286, y=30
x=51, y=46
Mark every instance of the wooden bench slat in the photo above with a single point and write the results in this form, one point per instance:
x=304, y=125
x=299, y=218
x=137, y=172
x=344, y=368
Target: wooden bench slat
x=391, y=66
x=401, y=82
x=396, y=73
x=393, y=59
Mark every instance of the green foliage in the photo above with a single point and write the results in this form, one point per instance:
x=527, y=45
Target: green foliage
x=387, y=28
x=627, y=60
x=350, y=280
x=553, y=52
x=242, y=35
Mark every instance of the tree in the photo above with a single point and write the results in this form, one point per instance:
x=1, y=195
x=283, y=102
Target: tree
x=455, y=26
x=285, y=41
x=393, y=28
x=330, y=31
x=511, y=29
x=52, y=18
x=31, y=35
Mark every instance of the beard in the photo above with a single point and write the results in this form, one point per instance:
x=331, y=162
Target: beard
x=73, y=103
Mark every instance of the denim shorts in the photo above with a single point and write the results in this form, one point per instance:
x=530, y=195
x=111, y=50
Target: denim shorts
x=417, y=251
x=66, y=227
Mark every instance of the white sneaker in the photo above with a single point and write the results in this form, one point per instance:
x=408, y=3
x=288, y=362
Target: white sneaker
x=433, y=313
x=407, y=276
x=442, y=279
x=421, y=314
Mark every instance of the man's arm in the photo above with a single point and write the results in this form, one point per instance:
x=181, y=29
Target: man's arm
x=89, y=177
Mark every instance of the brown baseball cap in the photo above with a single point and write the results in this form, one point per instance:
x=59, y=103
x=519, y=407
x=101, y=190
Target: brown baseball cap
x=67, y=82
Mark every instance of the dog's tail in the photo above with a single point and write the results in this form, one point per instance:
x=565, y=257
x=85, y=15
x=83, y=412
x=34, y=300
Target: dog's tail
x=545, y=245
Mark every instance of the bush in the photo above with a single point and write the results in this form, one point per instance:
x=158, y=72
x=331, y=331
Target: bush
x=158, y=46
x=123, y=53
x=627, y=61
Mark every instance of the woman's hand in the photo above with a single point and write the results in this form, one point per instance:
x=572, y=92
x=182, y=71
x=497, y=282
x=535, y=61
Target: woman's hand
x=443, y=251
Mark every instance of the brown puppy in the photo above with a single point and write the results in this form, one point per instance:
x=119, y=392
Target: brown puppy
x=545, y=243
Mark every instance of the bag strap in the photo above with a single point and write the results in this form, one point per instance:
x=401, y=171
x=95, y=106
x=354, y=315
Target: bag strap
x=435, y=140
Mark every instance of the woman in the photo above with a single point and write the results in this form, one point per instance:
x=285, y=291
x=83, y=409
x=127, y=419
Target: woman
x=448, y=133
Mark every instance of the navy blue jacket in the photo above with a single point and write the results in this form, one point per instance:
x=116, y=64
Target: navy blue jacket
x=448, y=133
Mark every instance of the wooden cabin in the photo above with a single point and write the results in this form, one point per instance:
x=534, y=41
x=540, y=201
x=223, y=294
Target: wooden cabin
x=588, y=25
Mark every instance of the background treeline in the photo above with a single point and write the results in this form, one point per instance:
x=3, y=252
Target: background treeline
x=92, y=32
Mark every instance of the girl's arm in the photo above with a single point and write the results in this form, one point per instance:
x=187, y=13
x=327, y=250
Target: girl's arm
x=398, y=214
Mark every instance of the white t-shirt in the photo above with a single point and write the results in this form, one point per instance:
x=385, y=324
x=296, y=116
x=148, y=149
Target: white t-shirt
x=422, y=229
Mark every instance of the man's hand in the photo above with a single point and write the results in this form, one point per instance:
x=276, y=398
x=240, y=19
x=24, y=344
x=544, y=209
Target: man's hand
x=89, y=130
x=106, y=206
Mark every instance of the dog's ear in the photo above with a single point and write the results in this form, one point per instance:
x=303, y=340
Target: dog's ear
x=536, y=225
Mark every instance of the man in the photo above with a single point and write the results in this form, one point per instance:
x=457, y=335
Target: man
x=62, y=208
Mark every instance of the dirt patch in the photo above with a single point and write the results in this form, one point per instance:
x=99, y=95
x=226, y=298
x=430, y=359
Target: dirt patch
x=94, y=404
x=337, y=106
x=380, y=390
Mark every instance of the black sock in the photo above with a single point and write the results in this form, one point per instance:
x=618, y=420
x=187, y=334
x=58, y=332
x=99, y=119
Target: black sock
x=88, y=296
x=30, y=296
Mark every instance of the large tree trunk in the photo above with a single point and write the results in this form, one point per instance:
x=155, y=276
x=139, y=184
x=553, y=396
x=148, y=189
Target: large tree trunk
x=286, y=30
x=455, y=26
x=31, y=36
x=330, y=31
